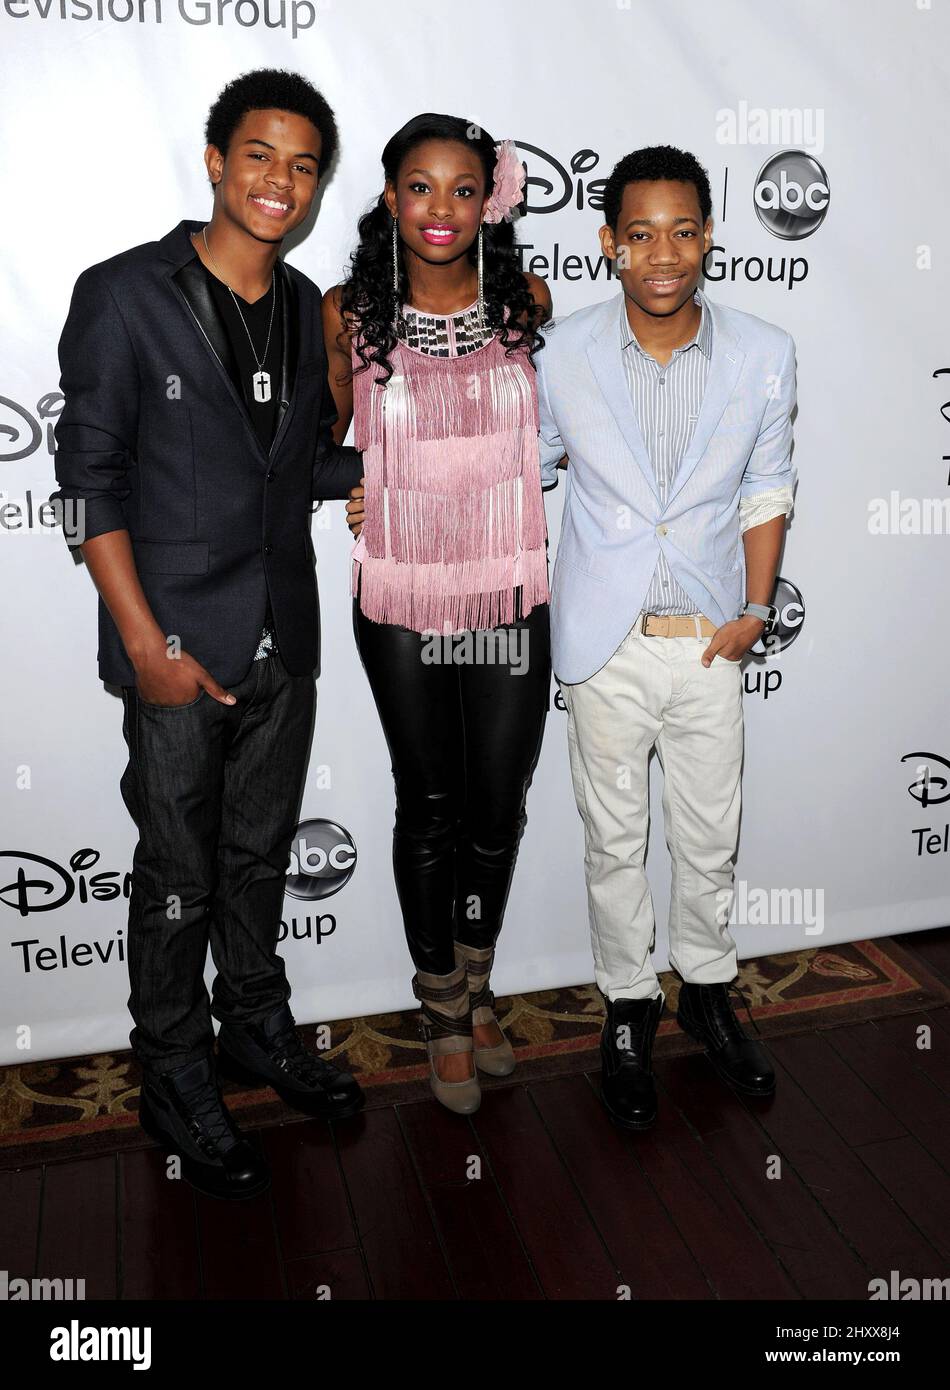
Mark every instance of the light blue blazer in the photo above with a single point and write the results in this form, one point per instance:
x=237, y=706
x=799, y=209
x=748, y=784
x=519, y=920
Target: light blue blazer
x=614, y=525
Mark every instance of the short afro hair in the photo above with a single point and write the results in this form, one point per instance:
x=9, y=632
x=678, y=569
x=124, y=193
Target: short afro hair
x=655, y=162
x=271, y=89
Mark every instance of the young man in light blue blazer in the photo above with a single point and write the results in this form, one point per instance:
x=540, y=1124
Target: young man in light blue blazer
x=675, y=416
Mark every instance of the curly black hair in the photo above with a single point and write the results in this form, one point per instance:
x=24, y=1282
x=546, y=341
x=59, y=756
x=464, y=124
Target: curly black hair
x=368, y=302
x=655, y=162
x=271, y=89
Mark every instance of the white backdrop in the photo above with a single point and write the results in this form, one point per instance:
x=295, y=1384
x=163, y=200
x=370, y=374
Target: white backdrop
x=104, y=107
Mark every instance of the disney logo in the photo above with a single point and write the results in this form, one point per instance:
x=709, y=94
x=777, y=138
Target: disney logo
x=550, y=187
x=21, y=432
x=40, y=885
x=927, y=781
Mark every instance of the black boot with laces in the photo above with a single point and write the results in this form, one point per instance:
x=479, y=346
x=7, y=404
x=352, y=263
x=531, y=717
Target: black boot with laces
x=183, y=1111
x=706, y=1013
x=271, y=1053
x=627, y=1085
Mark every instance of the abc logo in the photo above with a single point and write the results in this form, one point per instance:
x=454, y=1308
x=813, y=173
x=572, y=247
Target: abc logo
x=791, y=195
x=322, y=859
x=788, y=624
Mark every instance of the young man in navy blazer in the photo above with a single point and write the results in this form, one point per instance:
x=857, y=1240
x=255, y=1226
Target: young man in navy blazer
x=194, y=438
x=675, y=415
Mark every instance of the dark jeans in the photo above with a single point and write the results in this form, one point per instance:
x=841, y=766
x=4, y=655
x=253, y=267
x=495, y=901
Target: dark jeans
x=464, y=740
x=214, y=790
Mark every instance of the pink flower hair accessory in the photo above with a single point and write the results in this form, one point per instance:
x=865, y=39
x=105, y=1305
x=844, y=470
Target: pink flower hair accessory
x=508, y=187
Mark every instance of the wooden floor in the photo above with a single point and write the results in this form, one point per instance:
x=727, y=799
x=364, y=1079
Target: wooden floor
x=840, y=1178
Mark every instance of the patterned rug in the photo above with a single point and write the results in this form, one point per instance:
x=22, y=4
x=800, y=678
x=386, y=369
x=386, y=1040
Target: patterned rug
x=85, y=1105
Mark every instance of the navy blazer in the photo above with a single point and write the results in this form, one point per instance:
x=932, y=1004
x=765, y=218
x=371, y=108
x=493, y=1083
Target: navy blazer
x=154, y=438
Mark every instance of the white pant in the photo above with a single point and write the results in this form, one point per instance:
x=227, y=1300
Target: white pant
x=656, y=690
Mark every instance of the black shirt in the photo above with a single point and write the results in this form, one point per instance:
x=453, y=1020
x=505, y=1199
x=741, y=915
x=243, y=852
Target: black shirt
x=258, y=318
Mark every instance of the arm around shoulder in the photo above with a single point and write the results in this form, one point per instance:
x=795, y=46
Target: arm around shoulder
x=540, y=293
x=549, y=436
x=337, y=467
x=336, y=340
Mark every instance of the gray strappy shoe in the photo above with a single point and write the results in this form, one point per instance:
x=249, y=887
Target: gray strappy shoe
x=494, y=1061
x=447, y=1027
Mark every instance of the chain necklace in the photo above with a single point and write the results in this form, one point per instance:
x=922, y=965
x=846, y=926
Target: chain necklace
x=260, y=381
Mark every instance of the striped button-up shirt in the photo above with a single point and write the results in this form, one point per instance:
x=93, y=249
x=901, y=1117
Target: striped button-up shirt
x=667, y=401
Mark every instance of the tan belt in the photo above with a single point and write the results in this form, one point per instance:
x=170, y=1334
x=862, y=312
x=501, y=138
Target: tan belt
x=676, y=625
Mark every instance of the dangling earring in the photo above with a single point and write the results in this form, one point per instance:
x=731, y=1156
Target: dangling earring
x=395, y=272
x=481, y=280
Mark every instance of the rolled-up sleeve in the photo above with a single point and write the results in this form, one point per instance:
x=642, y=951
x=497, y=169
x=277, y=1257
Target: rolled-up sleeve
x=97, y=428
x=764, y=506
x=770, y=464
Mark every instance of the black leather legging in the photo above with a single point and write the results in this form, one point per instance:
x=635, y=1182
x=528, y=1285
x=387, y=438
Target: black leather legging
x=464, y=739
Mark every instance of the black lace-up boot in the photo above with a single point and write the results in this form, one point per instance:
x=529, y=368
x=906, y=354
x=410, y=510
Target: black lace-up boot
x=706, y=1013
x=183, y=1111
x=627, y=1087
x=271, y=1053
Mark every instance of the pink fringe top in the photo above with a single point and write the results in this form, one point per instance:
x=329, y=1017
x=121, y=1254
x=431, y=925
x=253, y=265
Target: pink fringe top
x=454, y=510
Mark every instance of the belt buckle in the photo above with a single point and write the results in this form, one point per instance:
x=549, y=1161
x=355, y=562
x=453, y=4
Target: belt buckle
x=643, y=624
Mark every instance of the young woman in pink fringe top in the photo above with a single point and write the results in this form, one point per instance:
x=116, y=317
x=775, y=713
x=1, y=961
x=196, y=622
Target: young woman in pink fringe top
x=430, y=342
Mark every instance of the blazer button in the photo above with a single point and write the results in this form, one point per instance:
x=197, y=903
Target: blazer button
x=268, y=550
x=271, y=475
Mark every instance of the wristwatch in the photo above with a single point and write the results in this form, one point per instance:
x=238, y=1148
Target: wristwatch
x=766, y=611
